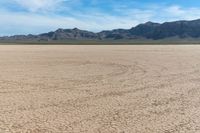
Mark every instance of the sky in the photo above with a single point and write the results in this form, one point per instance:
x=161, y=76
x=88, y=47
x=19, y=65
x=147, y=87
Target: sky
x=39, y=16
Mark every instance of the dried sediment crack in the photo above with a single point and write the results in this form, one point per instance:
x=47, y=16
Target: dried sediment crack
x=123, y=89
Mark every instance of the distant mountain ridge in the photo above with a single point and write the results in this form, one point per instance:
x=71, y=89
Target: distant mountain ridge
x=150, y=30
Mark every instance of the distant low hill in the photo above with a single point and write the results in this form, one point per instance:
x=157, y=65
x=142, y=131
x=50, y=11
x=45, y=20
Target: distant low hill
x=147, y=31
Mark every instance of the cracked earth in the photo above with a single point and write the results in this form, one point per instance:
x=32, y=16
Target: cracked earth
x=99, y=89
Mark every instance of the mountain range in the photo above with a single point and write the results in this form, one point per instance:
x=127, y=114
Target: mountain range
x=149, y=30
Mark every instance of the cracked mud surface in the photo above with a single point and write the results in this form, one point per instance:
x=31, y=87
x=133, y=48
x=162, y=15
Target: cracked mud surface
x=99, y=89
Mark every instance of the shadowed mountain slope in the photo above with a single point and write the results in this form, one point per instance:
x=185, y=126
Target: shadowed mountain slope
x=149, y=30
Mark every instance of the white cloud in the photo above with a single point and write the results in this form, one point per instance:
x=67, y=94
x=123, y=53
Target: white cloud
x=39, y=5
x=35, y=22
x=25, y=23
x=177, y=12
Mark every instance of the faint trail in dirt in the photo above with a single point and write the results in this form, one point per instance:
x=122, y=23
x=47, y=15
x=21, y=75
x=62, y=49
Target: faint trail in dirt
x=99, y=89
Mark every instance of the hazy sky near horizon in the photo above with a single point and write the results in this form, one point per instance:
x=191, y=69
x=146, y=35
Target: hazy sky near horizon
x=38, y=16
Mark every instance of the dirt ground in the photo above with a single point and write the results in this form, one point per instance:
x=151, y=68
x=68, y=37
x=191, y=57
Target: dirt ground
x=99, y=89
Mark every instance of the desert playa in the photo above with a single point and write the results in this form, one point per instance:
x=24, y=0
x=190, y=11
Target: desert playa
x=99, y=89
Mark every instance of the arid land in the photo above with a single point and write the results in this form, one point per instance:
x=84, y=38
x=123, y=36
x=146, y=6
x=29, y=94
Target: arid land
x=99, y=89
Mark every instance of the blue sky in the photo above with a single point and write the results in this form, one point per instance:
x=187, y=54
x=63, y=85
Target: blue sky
x=38, y=16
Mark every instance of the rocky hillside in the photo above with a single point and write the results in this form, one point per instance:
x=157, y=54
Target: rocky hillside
x=149, y=30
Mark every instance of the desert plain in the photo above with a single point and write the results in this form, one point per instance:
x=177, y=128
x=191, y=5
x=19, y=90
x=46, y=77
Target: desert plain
x=99, y=89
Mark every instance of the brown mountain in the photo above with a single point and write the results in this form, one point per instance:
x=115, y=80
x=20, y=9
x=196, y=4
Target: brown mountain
x=149, y=30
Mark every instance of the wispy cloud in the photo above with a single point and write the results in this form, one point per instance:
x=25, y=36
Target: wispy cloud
x=37, y=16
x=178, y=12
x=39, y=5
x=37, y=23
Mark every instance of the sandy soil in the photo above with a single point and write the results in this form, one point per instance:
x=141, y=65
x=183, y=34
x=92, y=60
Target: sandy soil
x=99, y=89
